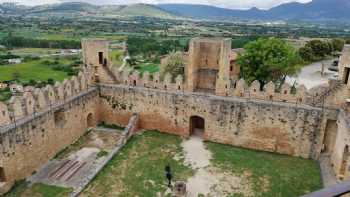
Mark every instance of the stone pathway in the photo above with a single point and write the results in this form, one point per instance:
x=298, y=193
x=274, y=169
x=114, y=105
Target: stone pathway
x=198, y=157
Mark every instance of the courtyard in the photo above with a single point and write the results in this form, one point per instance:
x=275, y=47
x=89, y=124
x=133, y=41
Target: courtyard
x=209, y=169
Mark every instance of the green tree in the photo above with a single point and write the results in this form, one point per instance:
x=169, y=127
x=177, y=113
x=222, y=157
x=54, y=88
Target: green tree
x=320, y=49
x=174, y=65
x=307, y=54
x=267, y=60
x=338, y=44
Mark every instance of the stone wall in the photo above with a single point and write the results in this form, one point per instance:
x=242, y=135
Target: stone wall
x=241, y=89
x=276, y=127
x=340, y=158
x=36, y=126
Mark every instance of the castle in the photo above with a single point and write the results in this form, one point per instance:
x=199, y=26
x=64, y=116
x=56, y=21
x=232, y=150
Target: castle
x=304, y=123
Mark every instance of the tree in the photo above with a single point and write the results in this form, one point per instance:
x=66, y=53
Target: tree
x=320, y=48
x=267, y=60
x=338, y=44
x=174, y=65
x=307, y=54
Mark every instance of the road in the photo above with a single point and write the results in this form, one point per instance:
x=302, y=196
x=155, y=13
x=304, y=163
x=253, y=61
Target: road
x=310, y=75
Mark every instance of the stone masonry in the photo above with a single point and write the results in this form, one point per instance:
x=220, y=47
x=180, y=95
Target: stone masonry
x=34, y=127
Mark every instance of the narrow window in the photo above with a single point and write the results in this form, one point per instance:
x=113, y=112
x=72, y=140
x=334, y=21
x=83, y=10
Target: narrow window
x=100, y=57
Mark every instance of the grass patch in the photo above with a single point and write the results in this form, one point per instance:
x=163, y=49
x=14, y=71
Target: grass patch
x=34, y=51
x=138, y=170
x=102, y=153
x=150, y=67
x=5, y=94
x=33, y=70
x=116, y=57
x=287, y=176
x=22, y=189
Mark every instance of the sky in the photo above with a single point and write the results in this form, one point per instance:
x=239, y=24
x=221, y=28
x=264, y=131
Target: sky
x=233, y=4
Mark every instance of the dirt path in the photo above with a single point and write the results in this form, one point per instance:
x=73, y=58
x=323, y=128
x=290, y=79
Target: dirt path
x=209, y=180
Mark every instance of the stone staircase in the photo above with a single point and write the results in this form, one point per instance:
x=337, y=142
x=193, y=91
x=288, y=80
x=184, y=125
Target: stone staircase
x=109, y=73
x=67, y=170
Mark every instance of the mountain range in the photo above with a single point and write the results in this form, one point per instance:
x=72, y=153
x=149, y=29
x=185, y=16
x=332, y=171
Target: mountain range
x=316, y=10
x=76, y=9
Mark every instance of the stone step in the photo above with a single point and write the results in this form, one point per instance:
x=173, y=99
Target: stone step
x=59, y=168
x=61, y=173
x=74, y=171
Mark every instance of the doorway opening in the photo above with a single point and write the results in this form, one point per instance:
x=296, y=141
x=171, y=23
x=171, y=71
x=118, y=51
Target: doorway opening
x=100, y=57
x=90, y=120
x=197, y=126
x=344, y=164
x=346, y=75
x=329, y=136
x=2, y=175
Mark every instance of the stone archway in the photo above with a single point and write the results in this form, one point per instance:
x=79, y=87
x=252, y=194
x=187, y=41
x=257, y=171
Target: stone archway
x=344, y=163
x=197, y=125
x=90, y=120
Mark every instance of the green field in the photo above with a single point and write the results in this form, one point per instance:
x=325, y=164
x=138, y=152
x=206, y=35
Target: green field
x=34, y=70
x=150, y=67
x=34, y=51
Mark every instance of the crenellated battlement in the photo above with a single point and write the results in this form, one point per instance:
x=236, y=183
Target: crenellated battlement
x=148, y=80
x=240, y=88
x=39, y=99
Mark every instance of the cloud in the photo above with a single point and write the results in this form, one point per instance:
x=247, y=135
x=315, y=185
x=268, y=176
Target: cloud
x=233, y=4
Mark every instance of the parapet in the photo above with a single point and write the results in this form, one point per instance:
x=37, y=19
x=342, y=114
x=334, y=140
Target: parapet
x=39, y=99
x=286, y=93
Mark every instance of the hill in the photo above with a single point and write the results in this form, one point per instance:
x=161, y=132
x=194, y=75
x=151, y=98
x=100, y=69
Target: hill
x=317, y=10
x=76, y=9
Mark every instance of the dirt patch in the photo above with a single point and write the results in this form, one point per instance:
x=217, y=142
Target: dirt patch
x=209, y=180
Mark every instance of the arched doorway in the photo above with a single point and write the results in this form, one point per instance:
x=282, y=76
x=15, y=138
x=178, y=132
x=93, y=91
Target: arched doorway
x=197, y=125
x=344, y=164
x=90, y=120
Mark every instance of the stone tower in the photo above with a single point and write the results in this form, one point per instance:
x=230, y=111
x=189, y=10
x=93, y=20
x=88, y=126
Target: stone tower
x=344, y=66
x=208, y=69
x=96, y=60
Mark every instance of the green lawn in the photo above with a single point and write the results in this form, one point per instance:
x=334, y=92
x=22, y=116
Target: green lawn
x=138, y=170
x=116, y=57
x=5, y=94
x=35, y=70
x=150, y=67
x=22, y=189
x=287, y=176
